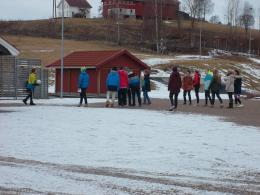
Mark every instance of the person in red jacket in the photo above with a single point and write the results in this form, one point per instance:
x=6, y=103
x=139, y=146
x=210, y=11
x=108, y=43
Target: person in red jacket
x=123, y=87
x=196, y=85
x=174, y=87
x=187, y=86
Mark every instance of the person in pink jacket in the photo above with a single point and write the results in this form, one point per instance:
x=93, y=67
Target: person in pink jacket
x=123, y=87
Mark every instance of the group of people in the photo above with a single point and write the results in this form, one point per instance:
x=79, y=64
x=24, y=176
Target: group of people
x=212, y=87
x=126, y=85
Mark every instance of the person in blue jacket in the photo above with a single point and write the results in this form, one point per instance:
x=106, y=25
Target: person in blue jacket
x=207, y=82
x=83, y=85
x=112, y=84
x=134, y=87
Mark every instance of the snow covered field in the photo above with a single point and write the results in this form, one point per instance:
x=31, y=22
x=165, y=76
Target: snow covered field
x=119, y=151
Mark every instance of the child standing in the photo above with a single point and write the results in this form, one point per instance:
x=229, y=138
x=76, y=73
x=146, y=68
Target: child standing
x=83, y=85
x=134, y=85
x=146, y=87
x=196, y=85
x=230, y=80
x=207, y=81
x=174, y=87
x=215, y=87
x=237, y=90
x=112, y=86
x=187, y=85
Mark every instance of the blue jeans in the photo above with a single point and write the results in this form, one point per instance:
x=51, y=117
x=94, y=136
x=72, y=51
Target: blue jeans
x=146, y=97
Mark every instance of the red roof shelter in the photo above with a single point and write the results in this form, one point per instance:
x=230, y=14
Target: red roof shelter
x=99, y=64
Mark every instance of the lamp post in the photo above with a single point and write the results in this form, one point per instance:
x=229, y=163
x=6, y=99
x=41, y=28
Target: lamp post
x=62, y=50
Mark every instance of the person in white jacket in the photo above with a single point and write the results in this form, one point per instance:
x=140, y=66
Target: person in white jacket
x=230, y=79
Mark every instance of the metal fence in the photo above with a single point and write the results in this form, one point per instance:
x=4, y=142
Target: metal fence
x=14, y=73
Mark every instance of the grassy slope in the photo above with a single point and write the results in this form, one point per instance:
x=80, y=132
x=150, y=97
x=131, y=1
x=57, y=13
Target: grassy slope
x=48, y=49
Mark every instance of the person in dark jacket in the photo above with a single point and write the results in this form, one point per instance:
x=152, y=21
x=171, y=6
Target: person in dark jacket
x=146, y=87
x=237, y=88
x=134, y=85
x=112, y=83
x=215, y=87
x=187, y=86
x=174, y=87
x=83, y=85
x=196, y=85
x=31, y=82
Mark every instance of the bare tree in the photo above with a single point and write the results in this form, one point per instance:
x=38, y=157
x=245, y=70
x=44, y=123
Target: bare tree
x=205, y=7
x=247, y=18
x=214, y=19
x=54, y=8
x=233, y=12
x=193, y=7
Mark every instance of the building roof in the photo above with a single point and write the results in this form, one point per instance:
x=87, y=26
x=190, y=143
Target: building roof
x=79, y=3
x=93, y=59
x=7, y=48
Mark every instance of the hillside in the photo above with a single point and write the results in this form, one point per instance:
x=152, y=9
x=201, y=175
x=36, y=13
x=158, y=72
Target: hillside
x=177, y=35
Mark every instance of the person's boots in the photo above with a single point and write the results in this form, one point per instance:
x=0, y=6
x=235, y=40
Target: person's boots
x=25, y=101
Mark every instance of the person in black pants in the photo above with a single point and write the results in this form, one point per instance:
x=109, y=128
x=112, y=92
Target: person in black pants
x=134, y=85
x=174, y=86
x=230, y=87
x=196, y=85
x=215, y=87
x=237, y=90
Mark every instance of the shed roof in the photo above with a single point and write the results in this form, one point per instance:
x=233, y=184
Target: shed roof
x=93, y=59
x=8, y=47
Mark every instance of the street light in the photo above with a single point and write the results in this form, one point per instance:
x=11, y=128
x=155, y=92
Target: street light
x=62, y=49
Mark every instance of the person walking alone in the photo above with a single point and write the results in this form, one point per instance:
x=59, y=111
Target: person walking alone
x=174, y=87
x=187, y=86
x=196, y=85
x=31, y=82
x=146, y=87
x=215, y=87
x=112, y=86
x=83, y=85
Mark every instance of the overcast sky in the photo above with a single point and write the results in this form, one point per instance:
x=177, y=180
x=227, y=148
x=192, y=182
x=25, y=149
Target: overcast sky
x=38, y=9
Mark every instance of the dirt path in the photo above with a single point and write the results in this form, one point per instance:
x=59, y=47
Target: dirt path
x=249, y=115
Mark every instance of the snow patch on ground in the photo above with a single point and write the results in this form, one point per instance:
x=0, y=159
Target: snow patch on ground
x=160, y=145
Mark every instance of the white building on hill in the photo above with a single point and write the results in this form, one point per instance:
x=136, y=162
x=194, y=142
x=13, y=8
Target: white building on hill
x=75, y=8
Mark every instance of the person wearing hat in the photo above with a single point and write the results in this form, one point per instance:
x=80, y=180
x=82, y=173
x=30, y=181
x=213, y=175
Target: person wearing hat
x=83, y=85
x=31, y=82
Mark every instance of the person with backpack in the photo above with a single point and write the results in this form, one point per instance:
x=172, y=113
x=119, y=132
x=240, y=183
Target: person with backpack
x=187, y=86
x=146, y=87
x=30, y=85
x=237, y=89
x=196, y=85
x=123, y=88
x=230, y=80
x=83, y=84
x=134, y=85
x=215, y=87
x=174, y=87
x=207, y=82
x=112, y=84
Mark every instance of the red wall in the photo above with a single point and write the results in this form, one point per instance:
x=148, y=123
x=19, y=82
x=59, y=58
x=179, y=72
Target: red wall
x=70, y=81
